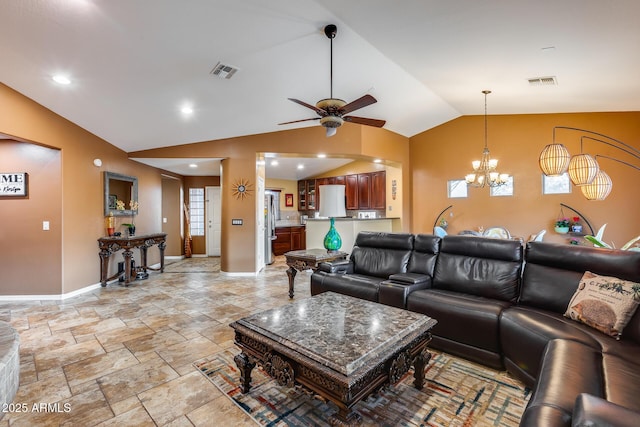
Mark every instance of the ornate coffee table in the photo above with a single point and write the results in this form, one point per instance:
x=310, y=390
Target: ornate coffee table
x=338, y=347
x=308, y=259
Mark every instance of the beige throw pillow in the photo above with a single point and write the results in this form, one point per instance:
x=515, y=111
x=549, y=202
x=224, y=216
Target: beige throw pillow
x=604, y=303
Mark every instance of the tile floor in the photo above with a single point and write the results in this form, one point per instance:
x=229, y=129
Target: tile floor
x=123, y=356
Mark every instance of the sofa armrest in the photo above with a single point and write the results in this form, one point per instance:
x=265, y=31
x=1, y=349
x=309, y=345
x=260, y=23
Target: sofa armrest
x=592, y=411
x=410, y=278
x=395, y=293
x=342, y=266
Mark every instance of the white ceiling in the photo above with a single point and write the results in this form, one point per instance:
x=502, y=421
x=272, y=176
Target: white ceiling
x=134, y=64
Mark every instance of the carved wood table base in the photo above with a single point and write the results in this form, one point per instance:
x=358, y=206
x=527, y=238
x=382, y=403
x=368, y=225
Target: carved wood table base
x=337, y=347
x=308, y=259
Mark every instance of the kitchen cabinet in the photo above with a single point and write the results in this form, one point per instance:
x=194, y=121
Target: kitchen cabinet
x=302, y=195
x=378, y=190
x=351, y=192
x=289, y=239
x=364, y=191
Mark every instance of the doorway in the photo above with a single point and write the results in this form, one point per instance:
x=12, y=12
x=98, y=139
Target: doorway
x=214, y=223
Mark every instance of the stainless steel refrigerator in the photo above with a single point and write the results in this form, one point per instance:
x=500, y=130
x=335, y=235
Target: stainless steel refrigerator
x=270, y=227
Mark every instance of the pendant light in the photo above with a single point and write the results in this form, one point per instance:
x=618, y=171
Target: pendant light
x=484, y=170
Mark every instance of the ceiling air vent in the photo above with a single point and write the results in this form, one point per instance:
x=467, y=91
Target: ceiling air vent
x=224, y=71
x=543, y=81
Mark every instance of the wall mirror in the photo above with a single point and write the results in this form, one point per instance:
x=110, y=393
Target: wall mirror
x=119, y=187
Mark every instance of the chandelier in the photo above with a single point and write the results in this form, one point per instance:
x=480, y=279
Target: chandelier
x=484, y=170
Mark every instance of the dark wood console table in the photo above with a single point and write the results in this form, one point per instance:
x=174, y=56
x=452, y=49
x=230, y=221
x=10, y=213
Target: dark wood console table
x=109, y=245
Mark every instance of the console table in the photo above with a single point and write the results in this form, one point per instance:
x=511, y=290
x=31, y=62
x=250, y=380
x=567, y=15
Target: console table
x=111, y=244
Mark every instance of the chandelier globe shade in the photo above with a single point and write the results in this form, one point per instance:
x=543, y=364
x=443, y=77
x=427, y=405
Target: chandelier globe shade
x=554, y=159
x=599, y=188
x=583, y=168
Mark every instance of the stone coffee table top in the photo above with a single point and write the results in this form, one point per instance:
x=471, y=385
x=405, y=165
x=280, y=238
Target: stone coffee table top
x=338, y=331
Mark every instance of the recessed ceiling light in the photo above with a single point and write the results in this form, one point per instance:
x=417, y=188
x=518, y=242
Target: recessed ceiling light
x=300, y=166
x=377, y=161
x=322, y=156
x=60, y=79
x=274, y=163
x=186, y=110
x=193, y=165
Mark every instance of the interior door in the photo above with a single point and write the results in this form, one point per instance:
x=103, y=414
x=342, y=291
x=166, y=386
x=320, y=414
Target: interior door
x=214, y=223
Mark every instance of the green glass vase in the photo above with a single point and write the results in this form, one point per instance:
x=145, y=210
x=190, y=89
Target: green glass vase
x=332, y=241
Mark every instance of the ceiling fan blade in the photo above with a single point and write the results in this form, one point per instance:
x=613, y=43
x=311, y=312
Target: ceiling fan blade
x=297, y=121
x=313, y=107
x=357, y=104
x=365, y=121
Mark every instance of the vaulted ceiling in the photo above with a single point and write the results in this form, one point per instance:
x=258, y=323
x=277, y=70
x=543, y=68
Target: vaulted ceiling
x=134, y=64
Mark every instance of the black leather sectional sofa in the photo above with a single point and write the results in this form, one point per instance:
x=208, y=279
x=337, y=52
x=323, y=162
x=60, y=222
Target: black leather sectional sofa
x=501, y=304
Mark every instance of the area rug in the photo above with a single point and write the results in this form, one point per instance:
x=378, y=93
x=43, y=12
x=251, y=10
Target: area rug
x=456, y=393
x=194, y=265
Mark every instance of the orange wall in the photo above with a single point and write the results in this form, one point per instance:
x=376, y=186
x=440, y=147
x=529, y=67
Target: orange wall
x=238, y=242
x=24, y=244
x=446, y=152
x=80, y=187
x=171, y=197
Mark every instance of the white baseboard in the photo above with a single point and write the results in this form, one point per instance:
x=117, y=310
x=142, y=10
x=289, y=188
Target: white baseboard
x=51, y=297
x=62, y=296
x=239, y=274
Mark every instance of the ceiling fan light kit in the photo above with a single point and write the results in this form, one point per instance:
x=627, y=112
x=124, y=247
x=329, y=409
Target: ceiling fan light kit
x=331, y=111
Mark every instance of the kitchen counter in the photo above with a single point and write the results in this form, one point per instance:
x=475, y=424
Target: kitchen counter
x=348, y=228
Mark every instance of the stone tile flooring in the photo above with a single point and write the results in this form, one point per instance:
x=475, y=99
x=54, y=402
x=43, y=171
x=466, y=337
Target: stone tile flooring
x=123, y=356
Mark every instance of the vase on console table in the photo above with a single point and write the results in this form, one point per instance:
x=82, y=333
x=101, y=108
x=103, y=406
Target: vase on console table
x=131, y=229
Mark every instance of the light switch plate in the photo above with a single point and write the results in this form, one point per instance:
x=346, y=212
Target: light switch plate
x=236, y=221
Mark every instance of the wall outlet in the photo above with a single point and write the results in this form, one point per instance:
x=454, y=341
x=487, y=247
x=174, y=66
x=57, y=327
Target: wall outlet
x=164, y=220
x=45, y=225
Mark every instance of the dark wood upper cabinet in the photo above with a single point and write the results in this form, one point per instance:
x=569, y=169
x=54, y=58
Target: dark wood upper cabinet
x=378, y=190
x=339, y=180
x=351, y=191
x=364, y=191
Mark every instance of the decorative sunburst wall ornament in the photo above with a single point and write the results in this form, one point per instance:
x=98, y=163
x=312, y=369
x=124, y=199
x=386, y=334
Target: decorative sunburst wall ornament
x=241, y=189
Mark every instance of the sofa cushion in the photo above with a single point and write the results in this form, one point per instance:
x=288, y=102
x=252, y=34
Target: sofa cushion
x=381, y=254
x=552, y=272
x=479, y=266
x=603, y=302
x=569, y=368
x=425, y=253
x=465, y=319
x=525, y=332
x=355, y=285
x=590, y=410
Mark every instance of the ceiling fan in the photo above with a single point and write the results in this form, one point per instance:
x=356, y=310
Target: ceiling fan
x=331, y=111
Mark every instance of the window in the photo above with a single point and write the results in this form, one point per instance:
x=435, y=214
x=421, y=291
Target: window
x=503, y=190
x=560, y=184
x=196, y=211
x=457, y=188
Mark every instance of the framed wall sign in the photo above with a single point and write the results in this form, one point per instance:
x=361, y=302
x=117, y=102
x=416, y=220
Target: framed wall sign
x=288, y=200
x=13, y=184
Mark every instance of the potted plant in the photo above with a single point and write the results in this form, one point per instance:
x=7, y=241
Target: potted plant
x=576, y=227
x=562, y=226
x=133, y=206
